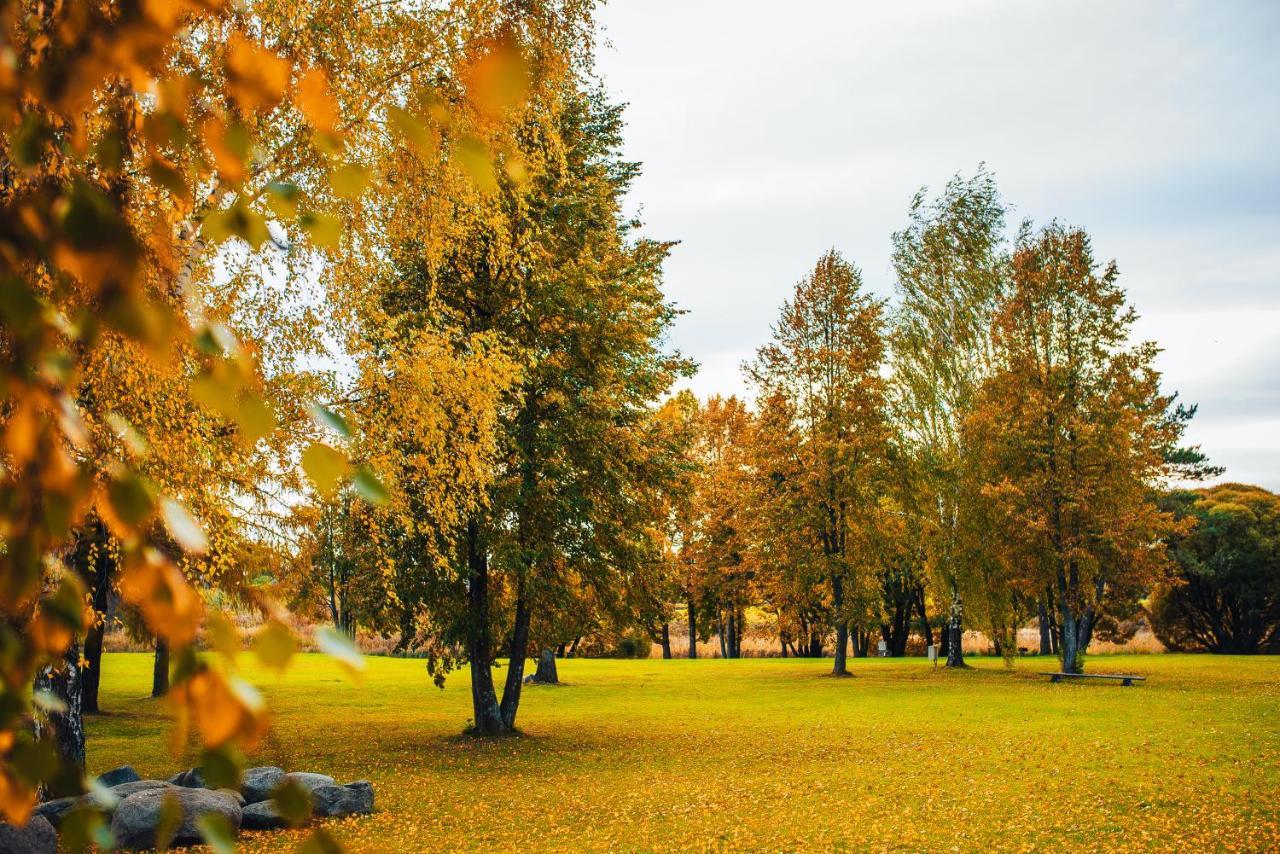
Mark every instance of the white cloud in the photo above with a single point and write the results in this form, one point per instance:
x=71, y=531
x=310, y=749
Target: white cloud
x=771, y=132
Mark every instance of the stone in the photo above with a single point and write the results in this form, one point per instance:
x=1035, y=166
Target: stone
x=104, y=800
x=134, y=824
x=54, y=811
x=37, y=836
x=192, y=778
x=116, y=776
x=309, y=781
x=124, y=790
x=262, y=815
x=233, y=794
x=256, y=783
x=336, y=801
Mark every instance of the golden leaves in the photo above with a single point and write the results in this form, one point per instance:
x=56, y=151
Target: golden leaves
x=421, y=136
x=223, y=708
x=274, y=645
x=325, y=466
x=256, y=76
x=229, y=144
x=311, y=94
x=499, y=79
x=156, y=587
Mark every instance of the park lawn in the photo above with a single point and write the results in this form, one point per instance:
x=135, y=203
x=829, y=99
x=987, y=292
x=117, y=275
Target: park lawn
x=769, y=754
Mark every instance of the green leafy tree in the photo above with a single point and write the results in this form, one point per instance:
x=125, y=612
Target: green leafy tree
x=949, y=266
x=1223, y=594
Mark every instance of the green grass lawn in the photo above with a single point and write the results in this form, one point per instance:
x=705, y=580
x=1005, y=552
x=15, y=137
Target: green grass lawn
x=770, y=754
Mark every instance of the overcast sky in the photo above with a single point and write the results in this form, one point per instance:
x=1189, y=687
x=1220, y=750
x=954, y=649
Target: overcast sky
x=771, y=132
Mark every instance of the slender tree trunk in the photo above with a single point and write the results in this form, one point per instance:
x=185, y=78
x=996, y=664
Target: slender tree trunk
x=839, y=667
x=96, y=568
x=732, y=632
x=693, y=628
x=93, y=666
x=1046, y=634
x=955, y=630
x=724, y=647
x=487, y=715
x=515, y=666
x=861, y=644
x=924, y=618
x=160, y=669
x=666, y=641
x=740, y=628
x=65, y=684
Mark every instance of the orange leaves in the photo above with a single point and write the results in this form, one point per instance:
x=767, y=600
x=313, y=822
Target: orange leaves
x=156, y=587
x=311, y=94
x=256, y=76
x=59, y=618
x=224, y=708
x=229, y=144
x=498, y=80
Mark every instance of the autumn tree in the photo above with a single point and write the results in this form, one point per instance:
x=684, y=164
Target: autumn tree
x=822, y=372
x=949, y=270
x=140, y=401
x=521, y=281
x=1072, y=429
x=1222, y=593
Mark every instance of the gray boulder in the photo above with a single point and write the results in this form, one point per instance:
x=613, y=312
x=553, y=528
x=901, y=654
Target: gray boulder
x=262, y=815
x=54, y=811
x=116, y=776
x=336, y=801
x=309, y=781
x=37, y=836
x=192, y=778
x=104, y=800
x=256, y=783
x=136, y=817
x=112, y=796
x=234, y=795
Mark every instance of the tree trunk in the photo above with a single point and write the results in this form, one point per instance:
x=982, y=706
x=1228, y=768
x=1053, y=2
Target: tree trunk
x=487, y=716
x=955, y=630
x=732, y=634
x=160, y=669
x=924, y=618
x=839, y=667
x=93, y=666
x=815, y=643
x=515, y=666
x=740, y=627
x=724, y=647
x=1046, y=634
x=546, y=673
x=693, y=628
x=666, y=641
x=65, y=684
x=861, y=644
x=96, y=568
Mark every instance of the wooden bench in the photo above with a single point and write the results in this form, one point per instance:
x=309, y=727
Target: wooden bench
x=1126, y=680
